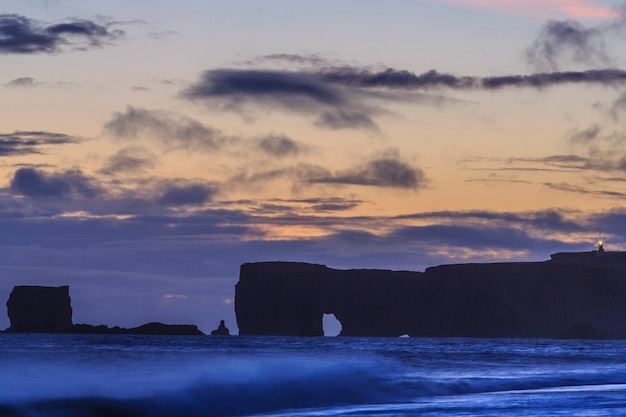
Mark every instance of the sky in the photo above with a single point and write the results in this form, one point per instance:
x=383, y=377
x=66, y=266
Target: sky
x=149, y=148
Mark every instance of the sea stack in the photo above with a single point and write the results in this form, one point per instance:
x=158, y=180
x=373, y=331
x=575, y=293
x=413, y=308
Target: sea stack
x=37, y=309
x=221, y=330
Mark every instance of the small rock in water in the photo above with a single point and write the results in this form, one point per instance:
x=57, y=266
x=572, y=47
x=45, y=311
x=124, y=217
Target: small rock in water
x=221, y=330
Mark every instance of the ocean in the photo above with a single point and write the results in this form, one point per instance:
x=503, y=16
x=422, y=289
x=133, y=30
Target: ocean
x=127, y=376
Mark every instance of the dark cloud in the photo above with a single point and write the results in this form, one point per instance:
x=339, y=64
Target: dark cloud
x=386, y=170
x=21, y=35
x=279, y=146
x=187, y=195
x=320, y=200
x=307, y=205
x=130, y=159
x=570, y=42
x=334, y=206
x=596, y=161
x=380, y=172
x=299, y=92
x=25, y=142
x=476, y=236
x=587, y=135
x=405, y=80
x=604, y=150
x=565, y=162
x=282, y=87
x=541, y=80
x=587, y=191
x=594, y=149
x=567, y=40
x=307, y=82
x=394, y=79
x=346, y=120
x=547, y=220
x=22, y=82
x=34, y=183
x=313, y=205
x=343, y=97
x=299, y=173
x=167, y=127
x=306, y=90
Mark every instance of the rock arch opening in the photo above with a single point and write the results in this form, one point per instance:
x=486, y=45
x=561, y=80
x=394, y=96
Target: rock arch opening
x=330, y=325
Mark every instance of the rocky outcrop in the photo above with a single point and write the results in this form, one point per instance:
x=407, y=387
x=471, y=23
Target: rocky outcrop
x=221, y=330
x=531, y=299
x=39, y=309
x=154, y=328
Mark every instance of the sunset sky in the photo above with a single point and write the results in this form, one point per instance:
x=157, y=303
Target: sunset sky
x=149, y=148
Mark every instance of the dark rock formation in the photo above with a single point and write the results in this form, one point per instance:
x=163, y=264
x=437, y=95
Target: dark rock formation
x=221, y=330
x=39, y=309
x=154, y=328
x=36, y=309
x=527, y=299
x=166, y=329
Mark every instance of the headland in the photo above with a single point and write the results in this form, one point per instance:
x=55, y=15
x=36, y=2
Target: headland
x=572, y=295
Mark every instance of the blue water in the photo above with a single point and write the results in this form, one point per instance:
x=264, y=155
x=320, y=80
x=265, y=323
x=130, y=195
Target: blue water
x=92, y=375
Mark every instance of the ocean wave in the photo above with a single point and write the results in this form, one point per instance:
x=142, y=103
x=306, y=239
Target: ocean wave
x=222, y=386
x=234, y=385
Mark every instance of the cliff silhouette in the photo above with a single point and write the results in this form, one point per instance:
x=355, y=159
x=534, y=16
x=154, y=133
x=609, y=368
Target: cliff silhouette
x=39, y=309
x=572, y=295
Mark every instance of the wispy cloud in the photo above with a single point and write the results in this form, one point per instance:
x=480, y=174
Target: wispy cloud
x=166, y=127
x=25, y=83
x=385, y=170
x=22, y=35
x=586, y=135
x=33, y=142
x=130, y=159
x=599, y=158
x=401, y=79
x=583, y=190
x=308, y=60
x=562, y=42
x=279, y=146
x=604, y=150
x=378, y=172
x=21, y=82
x=619, y=106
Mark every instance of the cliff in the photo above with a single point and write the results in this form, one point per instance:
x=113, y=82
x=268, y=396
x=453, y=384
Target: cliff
x=39, y=309
x=530, y=299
